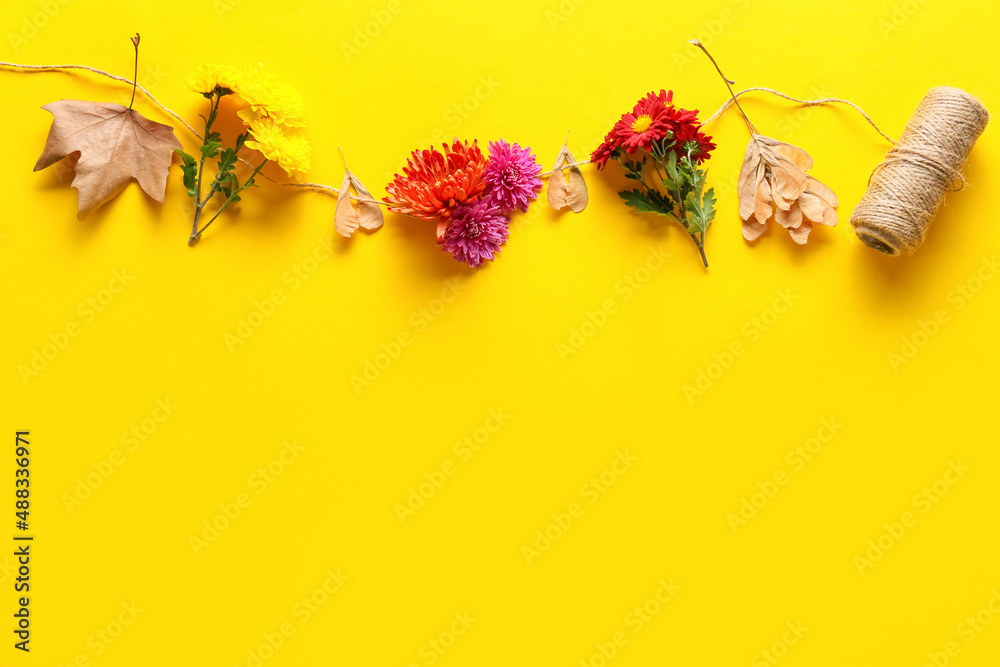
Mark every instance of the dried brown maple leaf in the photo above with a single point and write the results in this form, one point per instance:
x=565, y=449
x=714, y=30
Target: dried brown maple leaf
x=773, y=180
x=346, y=218
x=112, y=145
x=563, y=193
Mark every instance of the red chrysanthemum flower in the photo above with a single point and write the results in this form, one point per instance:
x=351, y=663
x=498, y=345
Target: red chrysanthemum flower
x=434, y=183
x=689, y=137
x=666, y=97
x=649, y=121
x=654, y=118
x=679, y=117
x=604, y=152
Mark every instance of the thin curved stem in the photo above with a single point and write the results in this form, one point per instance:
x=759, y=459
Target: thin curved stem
x=232, y=195
x=135, y=71
x=199, y=203
x=750, y=126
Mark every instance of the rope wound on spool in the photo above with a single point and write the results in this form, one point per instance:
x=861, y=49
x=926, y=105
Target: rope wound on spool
x=906, y=189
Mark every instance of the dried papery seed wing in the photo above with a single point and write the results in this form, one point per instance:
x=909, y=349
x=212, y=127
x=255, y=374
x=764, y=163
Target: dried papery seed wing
x=746, y=185
x=762, y=198
x=823, y=191
x=789, y=180
x=812, y=206
x=800, y=234
x=556, y=192
x=829, y=217
x=577, y=196
x=369, y=213
x=752, y=229
x=563, y=193
x=780, y=202
x=790, y=218
x=345, y=218
x=793, y=154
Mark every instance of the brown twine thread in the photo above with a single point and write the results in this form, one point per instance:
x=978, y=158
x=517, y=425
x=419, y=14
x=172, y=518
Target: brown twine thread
x=906, y=189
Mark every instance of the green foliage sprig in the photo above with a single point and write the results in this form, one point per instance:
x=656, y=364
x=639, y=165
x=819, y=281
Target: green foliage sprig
x=226, y=180
x=677, y=188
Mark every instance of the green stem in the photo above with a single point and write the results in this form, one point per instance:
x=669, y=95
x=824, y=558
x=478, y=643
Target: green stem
x=198, y=203
x=656, y=158
x=197, y=234
x=701, y=247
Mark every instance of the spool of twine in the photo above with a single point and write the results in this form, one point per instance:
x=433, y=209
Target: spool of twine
x=907, y=188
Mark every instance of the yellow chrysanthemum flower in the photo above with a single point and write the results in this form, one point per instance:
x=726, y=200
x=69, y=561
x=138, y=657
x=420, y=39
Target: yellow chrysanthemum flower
x=290, y=151
x=206, y=79
x=269, y=99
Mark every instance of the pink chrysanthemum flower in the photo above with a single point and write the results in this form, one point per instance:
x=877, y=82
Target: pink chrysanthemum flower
x=511, y=177
x=475, y=232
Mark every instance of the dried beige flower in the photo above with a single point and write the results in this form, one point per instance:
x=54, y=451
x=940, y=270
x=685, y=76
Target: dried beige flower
x=773, y=180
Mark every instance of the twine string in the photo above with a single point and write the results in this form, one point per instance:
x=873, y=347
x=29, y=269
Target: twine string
x=904, y=191
x=907, y=188
x=173, y=114
x=326, y=189
x=59, y=68
x=809, y=103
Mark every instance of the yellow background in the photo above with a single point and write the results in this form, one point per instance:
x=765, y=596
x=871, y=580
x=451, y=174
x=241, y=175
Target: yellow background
x=526, y=71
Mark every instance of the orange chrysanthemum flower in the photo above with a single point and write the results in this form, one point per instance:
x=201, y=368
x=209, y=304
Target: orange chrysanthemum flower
x=434, y=183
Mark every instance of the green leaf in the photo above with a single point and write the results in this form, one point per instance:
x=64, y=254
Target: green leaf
x=672, y=167
x=190, y=177
x=673, y=182
x=241, y=140
x=227, y=160
x=701, y=210
x=228, y=192
x=210, y=149
x=190, y=170
x=187, y=159
x=645, y=203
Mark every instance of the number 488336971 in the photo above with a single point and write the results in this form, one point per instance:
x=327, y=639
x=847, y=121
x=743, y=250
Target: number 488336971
x=21, y=485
